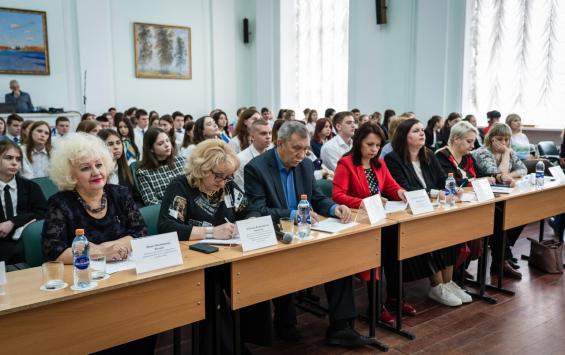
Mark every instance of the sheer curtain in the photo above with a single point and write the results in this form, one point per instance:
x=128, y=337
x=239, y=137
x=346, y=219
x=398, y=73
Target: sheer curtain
x=516, y=60
x=322, y=39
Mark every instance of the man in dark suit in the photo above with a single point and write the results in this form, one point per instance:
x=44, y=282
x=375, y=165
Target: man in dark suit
x=273, y=182
x=20, y=99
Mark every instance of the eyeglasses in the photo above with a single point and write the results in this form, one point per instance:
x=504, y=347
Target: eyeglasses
x=218, y=177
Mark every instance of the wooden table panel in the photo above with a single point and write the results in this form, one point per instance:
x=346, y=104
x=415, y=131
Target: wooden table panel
x=423, y=235
x=105, y=319
x=264, y=277
x=533, y=207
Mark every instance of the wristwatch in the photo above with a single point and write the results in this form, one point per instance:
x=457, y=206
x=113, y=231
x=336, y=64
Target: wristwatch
x=209, y=232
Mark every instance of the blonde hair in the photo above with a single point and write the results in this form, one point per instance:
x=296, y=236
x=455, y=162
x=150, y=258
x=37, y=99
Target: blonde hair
x=460, y=129
x=205, y=157
x=512, y=117
x=393, y=123
x=497, y=130
x=70, y=150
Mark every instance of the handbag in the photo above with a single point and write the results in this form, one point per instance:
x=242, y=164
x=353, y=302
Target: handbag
x=546, y=255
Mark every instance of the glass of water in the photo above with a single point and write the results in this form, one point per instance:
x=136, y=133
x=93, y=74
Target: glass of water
x=98, y=266
x=287, y=225
x=53, y=275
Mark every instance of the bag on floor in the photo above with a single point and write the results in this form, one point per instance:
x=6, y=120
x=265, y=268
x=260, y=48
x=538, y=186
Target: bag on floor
x=546, y=255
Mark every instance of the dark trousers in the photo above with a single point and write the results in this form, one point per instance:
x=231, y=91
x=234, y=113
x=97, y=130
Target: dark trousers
x=11, y=251
x=341, y=307
x=495, y=242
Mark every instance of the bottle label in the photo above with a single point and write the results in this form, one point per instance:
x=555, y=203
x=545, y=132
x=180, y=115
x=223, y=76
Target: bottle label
x=82, y=262
x=539, y=174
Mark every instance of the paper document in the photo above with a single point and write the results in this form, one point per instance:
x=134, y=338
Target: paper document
x=18, y=231
x=332, y=225
x=395, y=206
x=113, y=267
x=502, y=190
x=468, y=197
x=232, y=241
x=557, y=173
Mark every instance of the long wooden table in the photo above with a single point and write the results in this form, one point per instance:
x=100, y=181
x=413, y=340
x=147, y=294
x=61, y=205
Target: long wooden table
x=120, y=309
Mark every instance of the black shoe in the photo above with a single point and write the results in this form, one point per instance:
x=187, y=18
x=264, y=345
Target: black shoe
x=347, y=337
x=513, y=264
x=289, y=334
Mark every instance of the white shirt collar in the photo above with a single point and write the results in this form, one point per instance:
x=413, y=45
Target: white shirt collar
x=342, y=143
x=12, y=183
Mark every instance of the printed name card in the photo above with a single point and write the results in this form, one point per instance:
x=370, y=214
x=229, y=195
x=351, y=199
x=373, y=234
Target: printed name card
x=482, y=189
x=419, y=201
x=557, y=173
x=156, y=252
x=256, y=233
x=2, y=276
x=374, y=207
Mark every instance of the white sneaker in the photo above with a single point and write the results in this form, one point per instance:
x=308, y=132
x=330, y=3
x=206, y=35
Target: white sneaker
x=442, y=295
x=458, y=291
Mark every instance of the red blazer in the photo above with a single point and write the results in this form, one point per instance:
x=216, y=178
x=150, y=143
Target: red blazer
x=350, y=184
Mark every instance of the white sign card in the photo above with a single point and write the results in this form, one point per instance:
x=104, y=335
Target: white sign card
x=482, y=189
x=557, y=173
x=419, y=201
x=256, y=233
x=374, y=207
x=2, y=273
x=156, y=252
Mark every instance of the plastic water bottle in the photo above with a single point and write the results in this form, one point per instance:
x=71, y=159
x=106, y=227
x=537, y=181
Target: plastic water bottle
x=450, y=190
x=540, y=168
x=303, y=217
x=81, y=260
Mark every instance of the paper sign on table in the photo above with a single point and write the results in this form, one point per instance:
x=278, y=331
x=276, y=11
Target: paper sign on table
x=2, y=276
x=482, y=189
x=501, y=189
x=374, y=207
x=117, y=266
x=395, y=206
x=256, y=233
x=232, y=241
x=557, y=173
x=419, y=201
x=332, y=225
x=156, y=252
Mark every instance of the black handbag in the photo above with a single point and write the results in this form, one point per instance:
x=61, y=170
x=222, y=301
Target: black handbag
x=546, y=255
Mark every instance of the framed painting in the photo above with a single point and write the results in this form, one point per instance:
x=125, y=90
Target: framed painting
x=23, y=42
x=162, y=51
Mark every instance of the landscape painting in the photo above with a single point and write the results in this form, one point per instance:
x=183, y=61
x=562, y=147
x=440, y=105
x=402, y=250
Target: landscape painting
x=162, y=52
x=23, y=42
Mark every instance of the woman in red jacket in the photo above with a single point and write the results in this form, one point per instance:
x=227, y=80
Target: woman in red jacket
x=360, y=174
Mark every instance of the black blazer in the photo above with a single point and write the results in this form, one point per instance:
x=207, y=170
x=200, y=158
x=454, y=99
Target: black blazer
x=405, y=175
x=265, y=191
x=31, y=203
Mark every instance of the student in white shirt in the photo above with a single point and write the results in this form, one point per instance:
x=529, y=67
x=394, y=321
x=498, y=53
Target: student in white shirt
x=14, y=128
x=335, y=148
x=62, y=127
x=37, y=151
x=141, y=127
x=262, y=137
x=178, y=123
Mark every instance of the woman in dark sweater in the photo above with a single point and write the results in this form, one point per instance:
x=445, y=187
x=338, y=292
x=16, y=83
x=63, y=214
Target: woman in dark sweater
x=415, y=167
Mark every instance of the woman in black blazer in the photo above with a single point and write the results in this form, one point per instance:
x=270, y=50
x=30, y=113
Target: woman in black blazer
x=30, y=203
x=415, y=167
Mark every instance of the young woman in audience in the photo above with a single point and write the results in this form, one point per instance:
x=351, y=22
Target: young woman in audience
x=121, y=174
x=27, y=202
x=106, y=212
x=240, y=141
x=329, y=113
x=393, y=123
x=376, y=117
x=221, y=120
x=188, y=138
x=362, y=119
x=432, y=131
x=450, y=121
x=415, y=167
x=519, y=142
x=36, y=151
x=311, y=122
x=154, y=121
x=275, y=130
x=92, y=127
x=204, y=128
x=167, y=124
x=289, y=115
x=125, y=130
x=322, y=134
x=2, y=126
x=386, y=120
x=25, y=130
x=88, y=117
x=473, y=121
x=360, y=174
x=158, y=166
x=497, y=159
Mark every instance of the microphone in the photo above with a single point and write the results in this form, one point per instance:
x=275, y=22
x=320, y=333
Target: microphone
x=284, y=237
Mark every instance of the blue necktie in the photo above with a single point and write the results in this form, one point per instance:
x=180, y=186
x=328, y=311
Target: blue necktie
x=16, y=140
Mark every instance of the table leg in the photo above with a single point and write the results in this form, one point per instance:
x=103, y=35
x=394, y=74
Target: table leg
x=372, y=300
x=482, y=276
x=196, y=338
x=177, y=341
x=236, y=332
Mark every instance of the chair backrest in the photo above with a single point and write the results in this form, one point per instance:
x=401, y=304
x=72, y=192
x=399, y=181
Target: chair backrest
x=33, y=248
x=325, y=186
x=151, y=216
x=547, y=148
x=133, y=167
x=47, y=186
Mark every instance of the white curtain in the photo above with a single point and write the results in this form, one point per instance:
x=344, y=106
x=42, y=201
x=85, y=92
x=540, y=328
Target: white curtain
x=322, y=37
x=517, y=60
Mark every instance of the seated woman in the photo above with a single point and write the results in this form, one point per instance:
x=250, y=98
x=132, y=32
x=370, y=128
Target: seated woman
x=24, y=194
x=311, y=120
x=432, y=130
x=221, y=120
x=194, y=206
x=443, y=135
x=188, y=138
x=415, y=167
x=322, y=133
x=36, y=151
x=519, y=142
x=496, y=159
x=125, y=130
x=167, y=124
x=158, y=166
x=87, y=126
x=240, y=140
x=360, y=174
x=204, y=128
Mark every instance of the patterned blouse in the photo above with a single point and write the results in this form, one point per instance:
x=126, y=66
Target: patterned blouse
x=152, y=183
x=487, y=165
x=372, y=181
x=65, y=214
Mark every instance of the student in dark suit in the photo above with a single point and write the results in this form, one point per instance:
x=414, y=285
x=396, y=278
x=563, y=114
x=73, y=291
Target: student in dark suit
x=22, y=201
x=273, y=182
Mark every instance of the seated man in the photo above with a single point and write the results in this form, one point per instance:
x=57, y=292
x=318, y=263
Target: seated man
x=21, y=99
x=273, y=182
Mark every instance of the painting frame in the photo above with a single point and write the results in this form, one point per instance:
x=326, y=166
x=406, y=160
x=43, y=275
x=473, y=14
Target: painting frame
x=152, y=69
x=40, y=52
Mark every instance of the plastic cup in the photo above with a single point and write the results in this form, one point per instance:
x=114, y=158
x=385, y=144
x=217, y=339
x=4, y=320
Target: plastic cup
x=53, y=275
x=98, y=266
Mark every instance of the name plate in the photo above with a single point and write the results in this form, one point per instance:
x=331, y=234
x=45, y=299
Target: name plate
x=256, y=233
x=2, y=276
x=482, y=189
x=375, y=209
x=156, y=252
x=557, y=173
x=419, y=201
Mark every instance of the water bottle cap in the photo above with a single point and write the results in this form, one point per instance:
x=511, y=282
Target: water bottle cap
x=450, y=174
x=79, y=231
x=303, y=197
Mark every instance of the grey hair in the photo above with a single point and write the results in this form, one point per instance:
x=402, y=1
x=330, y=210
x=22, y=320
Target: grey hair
x=460, y=129
x=291, y=127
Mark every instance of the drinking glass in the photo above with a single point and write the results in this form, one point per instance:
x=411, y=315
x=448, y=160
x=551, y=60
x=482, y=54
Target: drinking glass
x=98, y=265
x=287, y=225
x=53, y=272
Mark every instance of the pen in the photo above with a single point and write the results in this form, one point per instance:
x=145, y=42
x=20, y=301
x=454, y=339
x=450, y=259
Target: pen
x=231, y=237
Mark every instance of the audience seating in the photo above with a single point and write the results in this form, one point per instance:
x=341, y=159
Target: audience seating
x=325, y=186
x=47, y=186
x=151, y=216
x=133, y=167
x=33, y=249
x=549, y=151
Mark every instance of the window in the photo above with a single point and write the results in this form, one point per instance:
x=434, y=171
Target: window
x=514, y=60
